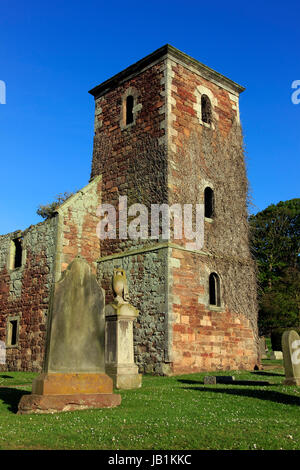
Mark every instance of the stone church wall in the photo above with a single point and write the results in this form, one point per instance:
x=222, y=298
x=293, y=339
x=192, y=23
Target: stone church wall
x=25, y=290
x=24, y=295
x=147, y=284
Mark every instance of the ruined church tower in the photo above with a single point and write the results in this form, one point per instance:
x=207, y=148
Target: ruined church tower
x=167, y=130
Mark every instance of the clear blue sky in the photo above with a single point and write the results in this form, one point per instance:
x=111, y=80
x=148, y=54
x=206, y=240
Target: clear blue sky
x=53, y=52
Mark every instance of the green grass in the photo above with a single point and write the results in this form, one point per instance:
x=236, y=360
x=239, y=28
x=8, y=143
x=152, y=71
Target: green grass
x=179, y=413
x=16, y=378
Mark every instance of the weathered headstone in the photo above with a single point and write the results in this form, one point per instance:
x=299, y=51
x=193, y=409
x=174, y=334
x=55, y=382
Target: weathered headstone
x=120, y=315
x=218, y=379
x=74, y=367
x=276, y=355
x=262, y=347
x=2, y=353
x=291, y=357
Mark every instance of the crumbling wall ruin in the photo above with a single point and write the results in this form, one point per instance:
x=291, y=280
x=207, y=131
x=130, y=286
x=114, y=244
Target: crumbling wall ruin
x=25, y=293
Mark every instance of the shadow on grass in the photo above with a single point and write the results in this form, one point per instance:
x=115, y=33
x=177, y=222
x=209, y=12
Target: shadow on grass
x=256, y=383
x=268, y=395
x=268, y=373
x=12, y=396
x=6, y=376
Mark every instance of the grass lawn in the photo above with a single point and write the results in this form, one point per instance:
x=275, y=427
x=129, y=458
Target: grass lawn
x=176, y=413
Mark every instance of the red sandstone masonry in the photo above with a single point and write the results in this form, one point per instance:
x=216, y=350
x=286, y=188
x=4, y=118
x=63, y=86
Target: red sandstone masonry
x=123, y=156
x=30, y=303
x=203, y=339
x=79, y=224
x=199, y=333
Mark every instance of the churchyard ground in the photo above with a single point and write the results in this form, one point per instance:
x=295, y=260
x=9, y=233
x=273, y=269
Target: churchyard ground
x=177, y=412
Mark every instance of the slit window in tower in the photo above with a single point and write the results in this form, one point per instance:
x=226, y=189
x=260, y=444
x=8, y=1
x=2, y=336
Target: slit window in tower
x=205, y=109
x=214, y=290
x=16, y=253
x=129, y=109
x=208, y=203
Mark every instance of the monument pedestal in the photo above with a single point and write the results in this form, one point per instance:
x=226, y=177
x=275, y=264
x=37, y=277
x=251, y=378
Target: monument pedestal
x=68, y=384
x=120, y=364
x=124, y=376
x=43, y=404
x=69, y=392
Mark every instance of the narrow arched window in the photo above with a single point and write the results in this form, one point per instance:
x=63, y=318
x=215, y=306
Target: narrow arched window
x=214, y=290
x=129, y=109
x=16, y=253
x=205, y=109
x=209, y=202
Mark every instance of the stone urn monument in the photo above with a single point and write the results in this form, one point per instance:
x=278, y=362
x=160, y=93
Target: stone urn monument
x=119, y=354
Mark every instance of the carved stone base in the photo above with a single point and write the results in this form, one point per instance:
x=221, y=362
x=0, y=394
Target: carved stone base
x=55, y=392
x=71, y=383
x=43, y=404
x=125, y=377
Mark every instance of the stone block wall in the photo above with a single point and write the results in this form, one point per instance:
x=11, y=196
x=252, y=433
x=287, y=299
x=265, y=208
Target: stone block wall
x=177, y=331
x=202, y=155
x=206, y=337
x=24, y=294
x=47, y=249
x=77, y=227
x=147, y=284
x=170, y=155
x=131, y=158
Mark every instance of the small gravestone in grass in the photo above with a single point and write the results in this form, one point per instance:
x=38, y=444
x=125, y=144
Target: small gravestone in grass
x=218, y=379
x=291, y=357
x=276, y=355
x=262, y=347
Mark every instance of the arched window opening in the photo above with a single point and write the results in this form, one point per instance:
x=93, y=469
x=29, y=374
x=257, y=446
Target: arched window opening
x=214, y=290
x=205, y=109
x=129, y=109
x=209, y=202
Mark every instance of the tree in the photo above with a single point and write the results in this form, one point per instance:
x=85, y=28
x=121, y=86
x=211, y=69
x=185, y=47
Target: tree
x=275, y=244
x=49, y=210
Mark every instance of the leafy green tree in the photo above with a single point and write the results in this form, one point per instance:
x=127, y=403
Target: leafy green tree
x=275, y=244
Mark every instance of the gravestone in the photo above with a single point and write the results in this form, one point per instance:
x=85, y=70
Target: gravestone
x=230, y=380
x=291, y=357
x=73, y=374
x=2, y=353
x=276, y=355
x=218, y=379
x=262, y=347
